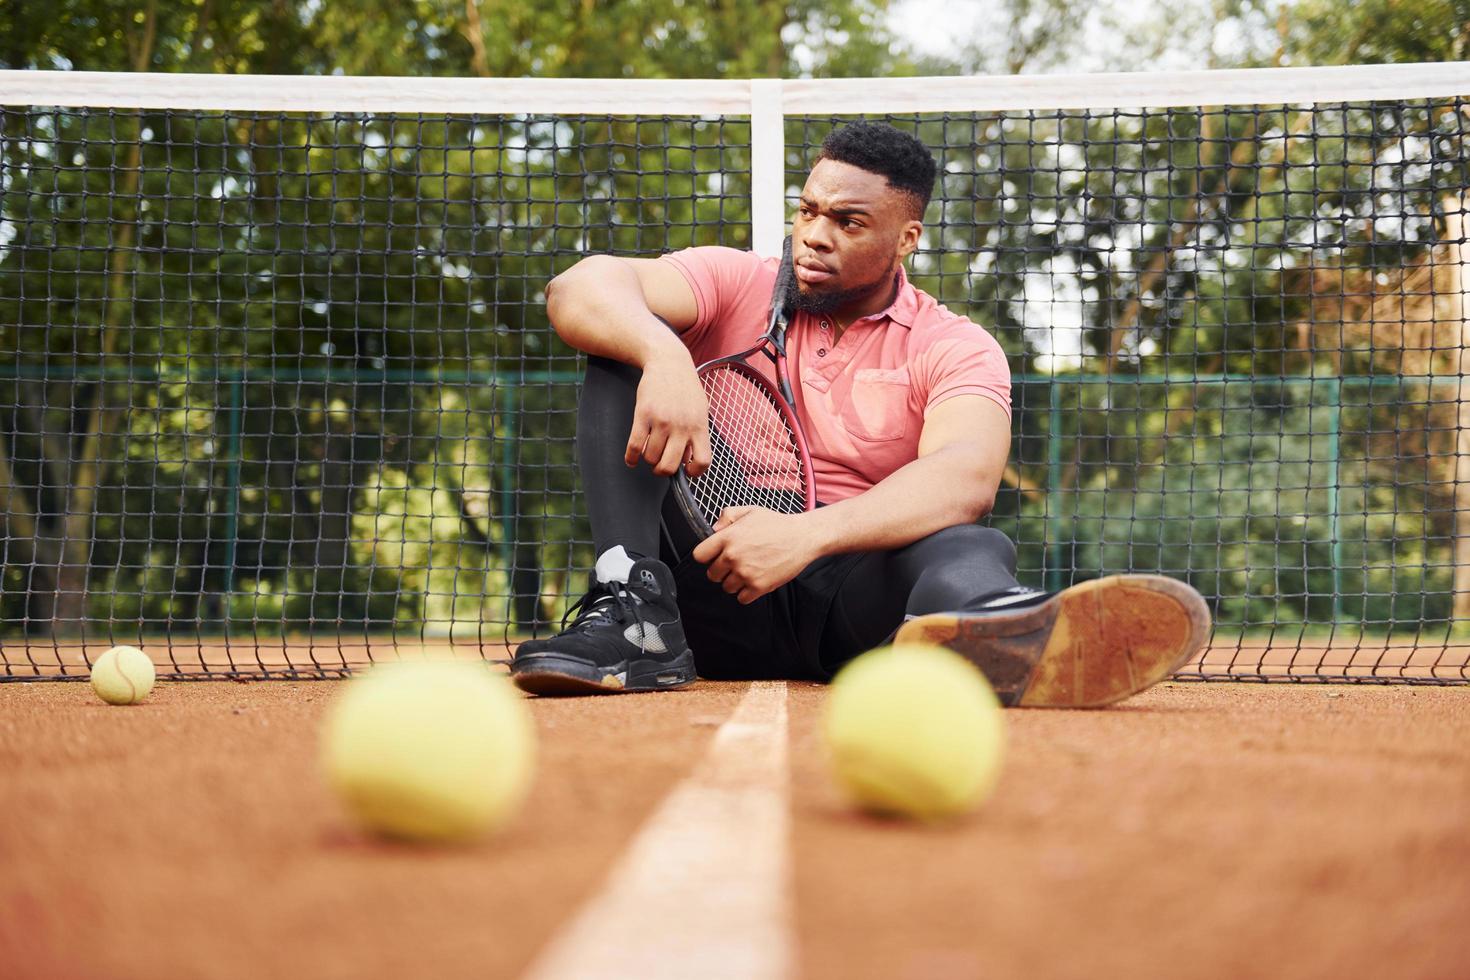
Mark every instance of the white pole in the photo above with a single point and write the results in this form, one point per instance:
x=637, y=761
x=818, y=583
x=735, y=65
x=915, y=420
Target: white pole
x=767, y=167
x=1455, y=231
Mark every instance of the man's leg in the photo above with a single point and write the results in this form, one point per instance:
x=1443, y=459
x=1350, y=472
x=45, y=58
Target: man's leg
x=626, y=635
x=1089, y=645
x=623, y=501
x=947, y=570
x=731, y=640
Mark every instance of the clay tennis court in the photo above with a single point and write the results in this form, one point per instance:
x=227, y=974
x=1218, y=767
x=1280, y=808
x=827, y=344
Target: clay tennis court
x=1208, y=830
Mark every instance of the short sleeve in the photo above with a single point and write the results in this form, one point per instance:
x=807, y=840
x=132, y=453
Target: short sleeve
x=721, y=278
x=966, y=360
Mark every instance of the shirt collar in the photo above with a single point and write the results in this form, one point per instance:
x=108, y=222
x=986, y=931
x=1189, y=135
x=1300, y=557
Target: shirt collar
x=905, y=305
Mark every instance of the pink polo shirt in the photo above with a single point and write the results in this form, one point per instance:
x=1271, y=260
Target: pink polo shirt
x=862, y=400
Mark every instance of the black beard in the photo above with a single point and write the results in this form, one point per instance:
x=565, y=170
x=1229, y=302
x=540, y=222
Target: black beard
x=819, y=304
x=829, y=302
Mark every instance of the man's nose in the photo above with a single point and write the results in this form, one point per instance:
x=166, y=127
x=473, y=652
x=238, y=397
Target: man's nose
x=819, y=235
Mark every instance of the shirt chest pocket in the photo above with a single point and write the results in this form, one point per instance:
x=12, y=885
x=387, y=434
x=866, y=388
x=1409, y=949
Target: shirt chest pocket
x=877, y=409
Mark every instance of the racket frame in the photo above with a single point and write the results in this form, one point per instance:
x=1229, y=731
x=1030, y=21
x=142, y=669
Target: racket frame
x=684, y=492
x=773, y=345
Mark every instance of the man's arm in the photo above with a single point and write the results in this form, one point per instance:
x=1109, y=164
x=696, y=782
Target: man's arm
x=962, y=455
x=622, y=309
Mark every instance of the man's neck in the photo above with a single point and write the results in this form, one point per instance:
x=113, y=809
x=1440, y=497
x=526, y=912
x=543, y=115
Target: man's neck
x=877, y=303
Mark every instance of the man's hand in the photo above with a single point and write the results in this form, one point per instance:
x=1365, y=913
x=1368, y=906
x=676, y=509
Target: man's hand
x=671, y=419
x=755, y=551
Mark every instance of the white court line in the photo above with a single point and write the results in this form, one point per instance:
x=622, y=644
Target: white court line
x=704, y=890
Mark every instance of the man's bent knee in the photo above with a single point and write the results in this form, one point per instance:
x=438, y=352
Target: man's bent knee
x=970, y=540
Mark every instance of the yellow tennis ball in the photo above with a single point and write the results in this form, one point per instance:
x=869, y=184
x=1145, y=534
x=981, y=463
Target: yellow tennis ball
x=435, y=751
x=123, y=675
x=914, y=730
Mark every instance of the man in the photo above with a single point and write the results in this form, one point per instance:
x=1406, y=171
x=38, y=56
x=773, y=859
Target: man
x=906, y=409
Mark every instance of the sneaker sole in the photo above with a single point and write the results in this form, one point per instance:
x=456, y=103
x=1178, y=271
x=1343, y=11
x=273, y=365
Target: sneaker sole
x=549, y=675
x=1091, y=645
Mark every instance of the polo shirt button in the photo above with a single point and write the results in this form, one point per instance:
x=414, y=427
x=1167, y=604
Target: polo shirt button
x=821, y=352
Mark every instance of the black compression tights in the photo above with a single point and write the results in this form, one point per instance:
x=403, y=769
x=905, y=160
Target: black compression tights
x=947, y=570
x=623, y=502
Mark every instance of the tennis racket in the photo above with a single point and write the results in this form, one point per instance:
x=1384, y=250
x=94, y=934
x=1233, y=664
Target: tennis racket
x=758, y=455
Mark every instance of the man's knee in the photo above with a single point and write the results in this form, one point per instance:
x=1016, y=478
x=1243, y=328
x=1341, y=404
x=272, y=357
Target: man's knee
x=608, y=399
x=972, y=542
x=605, y=370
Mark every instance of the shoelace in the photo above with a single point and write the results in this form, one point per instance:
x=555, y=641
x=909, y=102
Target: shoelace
x=601, y=604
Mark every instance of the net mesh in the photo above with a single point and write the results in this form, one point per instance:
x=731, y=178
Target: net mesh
x=286, y=380
x=280, y=396
x=1237, y=342
x=755, y=458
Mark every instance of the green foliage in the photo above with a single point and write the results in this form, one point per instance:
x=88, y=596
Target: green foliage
x=341, y=403
x=1328, y=32
x=1273, y=498
x=564, y=38
x=341, y=406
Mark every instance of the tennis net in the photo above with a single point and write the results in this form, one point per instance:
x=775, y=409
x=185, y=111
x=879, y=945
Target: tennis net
x=280, y=396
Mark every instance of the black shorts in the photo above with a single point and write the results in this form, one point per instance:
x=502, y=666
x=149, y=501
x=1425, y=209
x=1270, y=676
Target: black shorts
x=778, y=635
x=839, y=605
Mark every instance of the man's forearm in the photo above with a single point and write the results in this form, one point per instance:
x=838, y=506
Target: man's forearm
x=604, y=307
x=943, y=489
x=598, y=307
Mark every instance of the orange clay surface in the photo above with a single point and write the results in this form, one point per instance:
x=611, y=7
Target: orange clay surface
x=1196, y=831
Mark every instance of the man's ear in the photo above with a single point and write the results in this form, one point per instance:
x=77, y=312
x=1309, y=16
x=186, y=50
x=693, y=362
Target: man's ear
x=908, y=238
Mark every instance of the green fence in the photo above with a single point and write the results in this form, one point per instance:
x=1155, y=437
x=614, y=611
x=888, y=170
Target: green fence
x=463, y=501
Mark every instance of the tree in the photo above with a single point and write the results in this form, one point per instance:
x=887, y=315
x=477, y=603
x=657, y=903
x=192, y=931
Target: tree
x=290, y=349
x=1321, y=32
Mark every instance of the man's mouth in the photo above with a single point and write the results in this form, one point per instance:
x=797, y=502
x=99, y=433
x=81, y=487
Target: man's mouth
x=811, y=272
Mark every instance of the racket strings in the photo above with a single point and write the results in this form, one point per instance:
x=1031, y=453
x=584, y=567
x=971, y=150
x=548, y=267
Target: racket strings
x=755, y=455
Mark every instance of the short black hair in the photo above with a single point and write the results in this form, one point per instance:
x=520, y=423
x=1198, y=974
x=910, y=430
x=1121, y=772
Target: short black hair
x=891, y=153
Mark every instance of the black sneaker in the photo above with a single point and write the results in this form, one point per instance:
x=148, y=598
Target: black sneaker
x=625, y=637
x=1093, y=644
